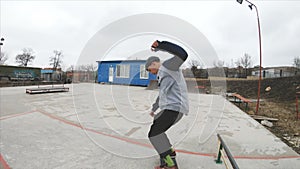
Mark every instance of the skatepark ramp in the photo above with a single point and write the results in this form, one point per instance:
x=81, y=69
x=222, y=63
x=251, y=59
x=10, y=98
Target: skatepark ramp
x=227, y=153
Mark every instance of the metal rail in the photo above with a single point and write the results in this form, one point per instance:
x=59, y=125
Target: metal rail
x=297, y=107
x=229, y=155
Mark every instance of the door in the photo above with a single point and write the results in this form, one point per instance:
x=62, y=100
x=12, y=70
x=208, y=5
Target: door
x=111, y=74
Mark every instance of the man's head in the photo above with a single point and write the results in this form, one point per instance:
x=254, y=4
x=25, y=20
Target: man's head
x=152, y=64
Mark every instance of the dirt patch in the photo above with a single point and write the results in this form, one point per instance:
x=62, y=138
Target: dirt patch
x=278, y=100
x=282, y=89
x=287, y=127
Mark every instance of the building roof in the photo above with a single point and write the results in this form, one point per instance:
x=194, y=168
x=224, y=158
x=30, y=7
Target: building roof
x=46, y=71
x=20, y=67
x=122, y=61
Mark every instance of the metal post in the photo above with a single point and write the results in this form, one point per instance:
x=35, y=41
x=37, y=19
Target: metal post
x=1, y=43
x=260, y=52
x=229, y=155
x=297, y=108
x=260, y=61
x=219, y=161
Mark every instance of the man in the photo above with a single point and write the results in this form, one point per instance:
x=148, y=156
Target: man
x=172, y=99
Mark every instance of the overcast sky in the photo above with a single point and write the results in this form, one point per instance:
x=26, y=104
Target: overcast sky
x=231, y=28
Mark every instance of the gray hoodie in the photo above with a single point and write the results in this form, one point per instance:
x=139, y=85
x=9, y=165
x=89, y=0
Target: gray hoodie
x=173, y=93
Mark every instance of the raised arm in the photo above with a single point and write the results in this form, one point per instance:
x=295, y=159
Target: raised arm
x=180, y=55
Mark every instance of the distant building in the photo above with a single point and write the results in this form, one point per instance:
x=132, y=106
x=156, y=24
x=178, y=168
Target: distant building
x=240, y=72
x=48, y=74
x=128, y=72
x=16, y=73
x=274, y=72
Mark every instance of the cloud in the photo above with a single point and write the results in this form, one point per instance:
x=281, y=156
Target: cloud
x=230, y=27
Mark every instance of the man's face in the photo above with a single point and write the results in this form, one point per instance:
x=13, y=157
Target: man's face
x=153, y=67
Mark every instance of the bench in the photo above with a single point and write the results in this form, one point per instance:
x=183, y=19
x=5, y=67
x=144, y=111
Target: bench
x=240, y=99
x=47, y=90
x=199, y=87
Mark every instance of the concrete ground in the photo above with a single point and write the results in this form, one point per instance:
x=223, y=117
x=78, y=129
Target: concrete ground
x=103, y=126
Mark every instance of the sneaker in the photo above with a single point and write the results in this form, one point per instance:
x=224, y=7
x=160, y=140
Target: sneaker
x=173, y=154
x=173, y=157
x=159, y=167
x=169, y=161
x=164, y=164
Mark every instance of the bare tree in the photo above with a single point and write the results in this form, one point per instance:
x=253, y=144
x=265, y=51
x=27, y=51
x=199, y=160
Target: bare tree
x=238, y=63
x=195, y=67
x=70, y=73
x=86, y=68
x=80, y=68
x=246, y=62
x=297, y=62
x=91, y=67
x=194, y=63
x=239, y=67
x=86, y=72
x=3, y=58
x=26, y=57
x=56, y=59
x=219, y=63
x=71, y=68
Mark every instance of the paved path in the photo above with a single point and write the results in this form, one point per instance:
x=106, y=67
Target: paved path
x=102, y=126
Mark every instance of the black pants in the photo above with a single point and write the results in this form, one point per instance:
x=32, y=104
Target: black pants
x=157, y=136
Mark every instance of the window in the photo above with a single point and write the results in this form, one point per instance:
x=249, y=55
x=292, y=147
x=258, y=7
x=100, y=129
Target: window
x=143, y=73
x=123, y=71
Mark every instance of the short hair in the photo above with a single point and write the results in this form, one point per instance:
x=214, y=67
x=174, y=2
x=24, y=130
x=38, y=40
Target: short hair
x=150, y=60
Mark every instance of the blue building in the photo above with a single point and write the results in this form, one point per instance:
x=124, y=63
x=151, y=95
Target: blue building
x=128, y=72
